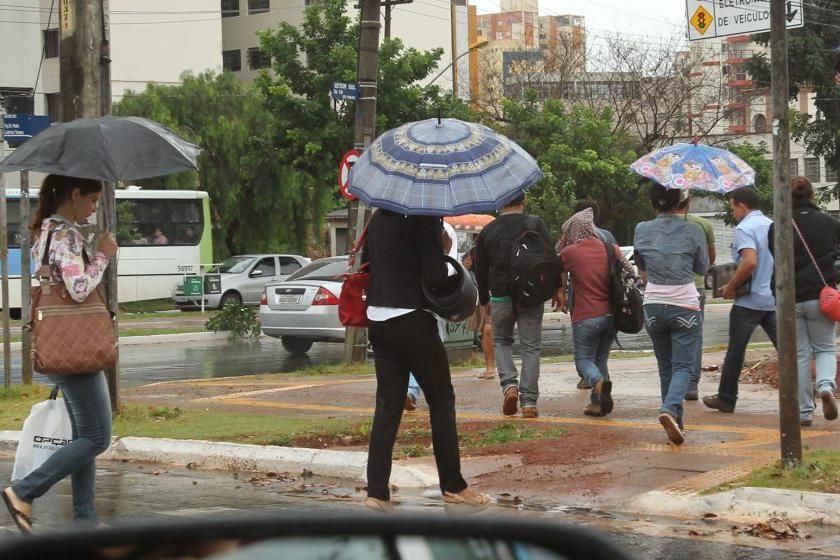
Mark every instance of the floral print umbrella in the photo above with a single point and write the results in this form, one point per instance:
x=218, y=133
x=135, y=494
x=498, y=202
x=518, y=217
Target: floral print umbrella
x=695, y=167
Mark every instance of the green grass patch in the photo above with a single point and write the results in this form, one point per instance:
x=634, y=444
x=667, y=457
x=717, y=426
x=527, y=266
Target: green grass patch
x=150, y=331
x=16, y=402
x=260, y=429
x=509, y=432
x=819, y=472
x=148, y=306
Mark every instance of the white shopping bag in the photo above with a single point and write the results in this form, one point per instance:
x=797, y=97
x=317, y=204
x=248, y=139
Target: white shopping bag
x=45, y=431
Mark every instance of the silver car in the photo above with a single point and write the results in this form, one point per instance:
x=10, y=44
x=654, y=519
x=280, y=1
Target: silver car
x=304, y=308
x=243, y=279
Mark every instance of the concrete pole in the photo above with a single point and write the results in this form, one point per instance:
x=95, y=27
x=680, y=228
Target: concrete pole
x=791, y=442
x=355, y=342
x=4, y=269
x=25, y=279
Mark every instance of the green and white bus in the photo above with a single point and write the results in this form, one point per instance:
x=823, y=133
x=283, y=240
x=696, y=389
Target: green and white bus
x=163, y=236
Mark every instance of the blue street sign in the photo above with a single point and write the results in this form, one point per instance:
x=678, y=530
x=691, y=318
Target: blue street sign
x=342, y=91
x=18, y=128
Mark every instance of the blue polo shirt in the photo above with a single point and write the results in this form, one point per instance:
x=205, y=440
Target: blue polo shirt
x=752, y=233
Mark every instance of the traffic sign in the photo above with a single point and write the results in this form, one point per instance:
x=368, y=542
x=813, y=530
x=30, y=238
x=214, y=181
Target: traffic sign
x=708, y=19
x=347, y=161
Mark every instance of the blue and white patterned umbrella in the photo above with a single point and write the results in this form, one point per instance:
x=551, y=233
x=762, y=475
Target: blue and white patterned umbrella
x=442, y=167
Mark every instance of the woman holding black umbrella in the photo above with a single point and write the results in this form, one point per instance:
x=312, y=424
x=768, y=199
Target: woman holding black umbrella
x=63, y=204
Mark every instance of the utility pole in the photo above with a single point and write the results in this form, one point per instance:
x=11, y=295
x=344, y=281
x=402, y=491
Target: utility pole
x=4, y=266
x=85, y=69
x=453, y=31
x=25, y=279
x=791, y=442
x=355, y=342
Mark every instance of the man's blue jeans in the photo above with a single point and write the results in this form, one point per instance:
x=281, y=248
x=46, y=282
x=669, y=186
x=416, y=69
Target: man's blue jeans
x=675, y=332
x=592, y=338
x=815, y=335
x=529, y=321
x=89, y=405
x=742, y=323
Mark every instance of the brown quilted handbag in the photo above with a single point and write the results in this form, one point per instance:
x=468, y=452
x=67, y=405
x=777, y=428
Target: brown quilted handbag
x=69, y=337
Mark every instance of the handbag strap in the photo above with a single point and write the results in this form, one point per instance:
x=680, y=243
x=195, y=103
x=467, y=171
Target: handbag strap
x=54, y=393
x=359, y=244
x=808, y=250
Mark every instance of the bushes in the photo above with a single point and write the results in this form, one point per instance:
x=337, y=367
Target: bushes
x=241, y=321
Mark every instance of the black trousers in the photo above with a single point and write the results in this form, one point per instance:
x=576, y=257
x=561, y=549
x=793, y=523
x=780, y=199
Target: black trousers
x=410, y=343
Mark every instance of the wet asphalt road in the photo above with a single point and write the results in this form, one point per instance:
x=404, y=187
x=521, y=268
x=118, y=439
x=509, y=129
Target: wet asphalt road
x=131, y=491
x=143, y=364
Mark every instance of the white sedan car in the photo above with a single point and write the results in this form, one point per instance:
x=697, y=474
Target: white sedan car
x=303, y=309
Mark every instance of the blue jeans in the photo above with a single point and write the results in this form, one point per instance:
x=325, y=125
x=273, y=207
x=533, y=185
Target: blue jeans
x=742, y=322
x=89, y=405
x=675, y=332
x=814, y=336
x=592, y=338
x=529, y=321
x=413, y=386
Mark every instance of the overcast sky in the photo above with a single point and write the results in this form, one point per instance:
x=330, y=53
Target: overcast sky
x=649, y=18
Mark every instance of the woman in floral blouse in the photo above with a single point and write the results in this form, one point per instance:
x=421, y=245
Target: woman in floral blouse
x=63, y=204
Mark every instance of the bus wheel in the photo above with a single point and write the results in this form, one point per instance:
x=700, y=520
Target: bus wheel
x=296, y=345
x=228, y=298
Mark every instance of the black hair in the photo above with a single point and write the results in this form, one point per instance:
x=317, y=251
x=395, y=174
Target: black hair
x=801, y=188
x=518, y=201
x=585, y=203
x=664, y=199
x=746, y=196
x=56, y=190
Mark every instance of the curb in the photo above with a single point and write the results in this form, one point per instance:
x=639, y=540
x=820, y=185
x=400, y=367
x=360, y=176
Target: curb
x=744, y=505
x=349, y=465
x=159, y=339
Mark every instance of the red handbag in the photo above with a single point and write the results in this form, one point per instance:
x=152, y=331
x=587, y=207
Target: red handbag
x=829, y=295
x=352, y=303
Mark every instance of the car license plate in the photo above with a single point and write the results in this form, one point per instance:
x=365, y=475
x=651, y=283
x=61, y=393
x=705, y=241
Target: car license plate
x=288, y=299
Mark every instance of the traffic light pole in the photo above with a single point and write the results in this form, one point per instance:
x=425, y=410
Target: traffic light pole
x=355, y=342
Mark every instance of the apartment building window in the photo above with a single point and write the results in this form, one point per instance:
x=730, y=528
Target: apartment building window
x=232, y=60
x=50, y=43
x=258, y=7
x=257, y=59
x=830, y=173
x=230, y=8
x=812, y=169
x=794, y=167
x=53, y=103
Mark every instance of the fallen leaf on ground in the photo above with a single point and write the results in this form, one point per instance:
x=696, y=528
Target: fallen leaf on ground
x=775, y=528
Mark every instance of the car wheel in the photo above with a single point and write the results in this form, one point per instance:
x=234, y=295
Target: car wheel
x=230, y=297
x=295, y=345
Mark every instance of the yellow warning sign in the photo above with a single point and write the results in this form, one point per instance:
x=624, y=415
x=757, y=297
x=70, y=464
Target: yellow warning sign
x=702, y=20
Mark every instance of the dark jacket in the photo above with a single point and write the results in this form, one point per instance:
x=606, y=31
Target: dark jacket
x=493, y=252
x=822, y=232
x=404, y=251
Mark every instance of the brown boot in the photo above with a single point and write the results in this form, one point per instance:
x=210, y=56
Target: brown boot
x=593, y=409
x=530, y=412
x=829, y=406
x=603, y=390
x=511, y=403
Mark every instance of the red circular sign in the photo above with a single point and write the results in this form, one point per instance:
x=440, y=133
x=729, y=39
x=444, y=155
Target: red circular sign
x=347, y=161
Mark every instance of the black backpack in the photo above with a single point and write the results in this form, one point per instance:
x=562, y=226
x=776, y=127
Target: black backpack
x=533, y=266
x=626, y=298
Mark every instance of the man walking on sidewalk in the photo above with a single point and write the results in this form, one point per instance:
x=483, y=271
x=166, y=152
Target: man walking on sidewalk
x=498, y=274
x=758, y=307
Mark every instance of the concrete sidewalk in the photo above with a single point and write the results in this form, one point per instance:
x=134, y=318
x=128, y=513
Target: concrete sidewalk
x=620, y=463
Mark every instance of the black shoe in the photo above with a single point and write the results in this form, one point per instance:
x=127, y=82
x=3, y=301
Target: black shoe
x=691, y=395
x=603, y=390
x=806, y=422
x=718, y=403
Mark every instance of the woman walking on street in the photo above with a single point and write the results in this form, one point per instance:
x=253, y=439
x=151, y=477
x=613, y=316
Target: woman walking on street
x=584, y=256
x=816, y=240
x=669, y=251
x=406, y=252
x=65, y=203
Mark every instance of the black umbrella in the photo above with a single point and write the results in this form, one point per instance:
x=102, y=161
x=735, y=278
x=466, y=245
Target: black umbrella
x=107, y=149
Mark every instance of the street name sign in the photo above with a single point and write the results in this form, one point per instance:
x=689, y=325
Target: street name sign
x=708, y=19
x=347, y=161
x=342, y=91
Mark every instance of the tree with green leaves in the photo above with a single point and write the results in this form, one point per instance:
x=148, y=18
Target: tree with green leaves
x=814, y=52
x=755, y=155
x=583, y=156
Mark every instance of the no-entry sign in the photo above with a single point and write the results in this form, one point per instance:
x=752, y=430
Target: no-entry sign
x=347, y=161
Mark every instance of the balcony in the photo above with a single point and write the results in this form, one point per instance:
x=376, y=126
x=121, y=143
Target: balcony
x=737, y=129
x=711, y=106
x=735, y=60
x=738, y=39
x=736, y=106
x=743, y=83
x=711, y=63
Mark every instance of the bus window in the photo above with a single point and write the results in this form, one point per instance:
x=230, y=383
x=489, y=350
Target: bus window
x=159, y=222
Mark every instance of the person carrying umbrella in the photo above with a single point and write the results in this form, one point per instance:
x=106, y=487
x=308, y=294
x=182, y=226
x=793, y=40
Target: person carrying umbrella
x=415, y=174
